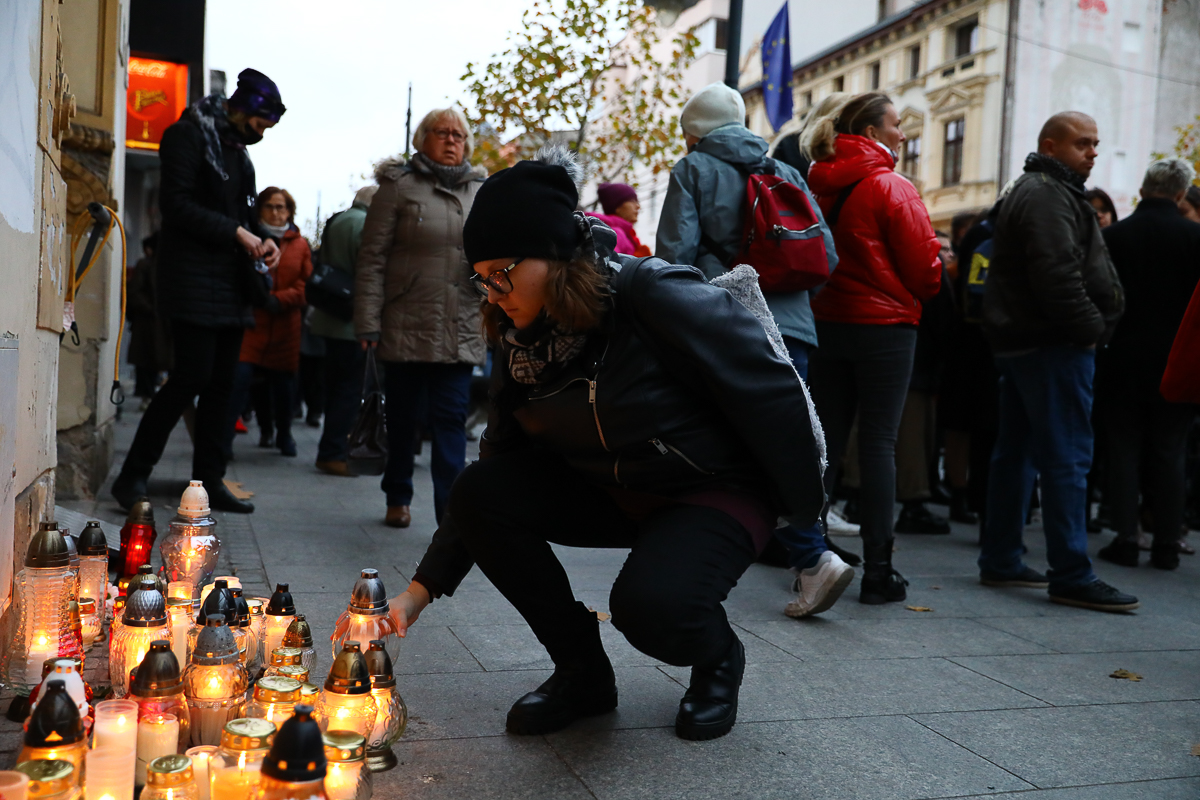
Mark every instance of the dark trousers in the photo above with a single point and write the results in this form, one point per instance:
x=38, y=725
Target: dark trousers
x=205, y=359
x=804, y=546
x=448, y=388
x=864, y=368
x=683, y=559
x=344, y=363
x=273, y=406
x=312, y=385
x=145, y=380
x=1147, y=448
x=1046, y=432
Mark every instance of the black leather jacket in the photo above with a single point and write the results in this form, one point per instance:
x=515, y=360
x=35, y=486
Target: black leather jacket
x=679, y=390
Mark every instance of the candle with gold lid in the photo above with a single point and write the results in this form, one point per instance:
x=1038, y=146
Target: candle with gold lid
x=391, y=715
x=346, y=703
x=51, y=779
x=284, y=657
x=215, y=682
x=368, y=616
x=171, y=777
x=236, y=768
x=143, y=621
x=299, y=635
x=274, y=697
x=294, y=672
x=346, y=777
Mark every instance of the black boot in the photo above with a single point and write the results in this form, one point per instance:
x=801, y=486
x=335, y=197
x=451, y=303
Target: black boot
x=880, y=583
x=916, y=518
x=960, y=509
x=221, y=499
x=1123, y=552
x=709, y=706
x=127, y=489
x=583, y=685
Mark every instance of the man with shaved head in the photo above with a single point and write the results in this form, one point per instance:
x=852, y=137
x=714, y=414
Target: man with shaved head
x=1052, y=296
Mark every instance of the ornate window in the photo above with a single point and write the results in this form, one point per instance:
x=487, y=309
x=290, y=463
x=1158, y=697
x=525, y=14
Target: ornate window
x=952, y=152
x=910, y=159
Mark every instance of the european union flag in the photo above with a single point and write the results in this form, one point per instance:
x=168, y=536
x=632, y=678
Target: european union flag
x=777, y=70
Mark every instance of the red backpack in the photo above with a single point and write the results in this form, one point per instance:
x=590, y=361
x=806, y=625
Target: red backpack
x=781, y=235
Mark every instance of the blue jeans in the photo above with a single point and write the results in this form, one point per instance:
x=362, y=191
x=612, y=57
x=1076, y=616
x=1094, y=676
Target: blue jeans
x=804, y=547
x=448, y=388
x=1045, y=410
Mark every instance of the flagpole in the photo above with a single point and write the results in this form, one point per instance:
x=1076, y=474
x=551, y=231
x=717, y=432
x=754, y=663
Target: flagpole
x=733, y=44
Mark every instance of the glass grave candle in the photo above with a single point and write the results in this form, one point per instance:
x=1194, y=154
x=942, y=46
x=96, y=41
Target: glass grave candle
x=391, y=716
x=179, y=615
x=137, y=538
x=257, y=629
x=14, y=785
x=347, y=777
x=293, y=672
x=218, y=601
x=43, y=620
x=236, y=768
x=299, y=635
x=273, y=700
x=93, y=562
x=248, y=645
x=143, y=621
x=278, y=615
x=91, y=623
x=51, y=780
x=69, y=671
x=76, y=625
x=295, y=767
x=201, y=756
x=284, y=657
x=368, y=616
x=171, y=777
x=157, y=688
x=55, y=729
x=346, y=703
x=116, y=726
x=158, y=735
x=215, y=682
x=73, y=557
x=109, y=773
x=190, y=549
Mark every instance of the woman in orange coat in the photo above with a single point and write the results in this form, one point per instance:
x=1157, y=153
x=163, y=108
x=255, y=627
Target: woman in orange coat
x=271, y=350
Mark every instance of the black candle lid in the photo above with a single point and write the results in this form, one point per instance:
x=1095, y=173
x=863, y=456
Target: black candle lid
x=92, y=541
x=145, y=607
x=142, y=513
x=379, y=664
x=349, y=673
x=219, y=601
x=55, y=721
x=281, y=604
x=215, y=644
x=47, y=548
x=298, y=753
x=159, y=673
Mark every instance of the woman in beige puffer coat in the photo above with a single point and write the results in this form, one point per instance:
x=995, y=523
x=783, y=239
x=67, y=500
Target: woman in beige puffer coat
x=414, y=303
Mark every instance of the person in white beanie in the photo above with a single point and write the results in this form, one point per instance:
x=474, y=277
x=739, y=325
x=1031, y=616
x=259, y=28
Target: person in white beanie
x=701, y=225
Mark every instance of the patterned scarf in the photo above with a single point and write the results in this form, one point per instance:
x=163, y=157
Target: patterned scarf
x=208, y=114
x=1037, y=162
x=538, y=353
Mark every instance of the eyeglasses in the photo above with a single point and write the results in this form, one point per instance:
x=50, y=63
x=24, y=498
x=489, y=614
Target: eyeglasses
x=452, y=135
x=497, y=280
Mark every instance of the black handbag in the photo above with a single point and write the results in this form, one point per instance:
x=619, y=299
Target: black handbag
x=368, y=437
x=256, y=280
x=331, y=290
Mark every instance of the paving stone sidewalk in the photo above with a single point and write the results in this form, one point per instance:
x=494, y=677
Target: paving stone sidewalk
x=990, y=693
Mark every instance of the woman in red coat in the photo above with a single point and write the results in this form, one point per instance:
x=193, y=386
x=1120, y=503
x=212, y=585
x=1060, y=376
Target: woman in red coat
x=867, y=314
x=271, y=349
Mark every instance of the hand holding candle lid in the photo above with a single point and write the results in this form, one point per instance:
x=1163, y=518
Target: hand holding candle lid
x=190, y=549
x=295, y=767
x=137, y=538
x=345, y=776
x=391, y=715
x=55, y=729
x=157, y=688
x=215, y=681
x=279, y=614
x=299, y=634
x=236, y=768
x=143, y=621
x=42, y=600
x=346, y=703
x=171, y=778
x=368, y=616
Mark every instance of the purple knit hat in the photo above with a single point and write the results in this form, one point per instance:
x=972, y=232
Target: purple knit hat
x=614, y=195
x=258, y=96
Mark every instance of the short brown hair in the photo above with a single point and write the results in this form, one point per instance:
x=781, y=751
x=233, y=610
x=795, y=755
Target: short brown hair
x=576, y=298
x=269, y=192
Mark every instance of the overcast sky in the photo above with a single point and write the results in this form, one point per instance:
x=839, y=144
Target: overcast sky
x=343, y=69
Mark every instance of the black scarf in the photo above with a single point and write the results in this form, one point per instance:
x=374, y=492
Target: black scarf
x=208, y=114
x=1037, y=162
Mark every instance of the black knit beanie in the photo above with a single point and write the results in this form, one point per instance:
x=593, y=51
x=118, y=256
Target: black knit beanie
x=525, y=211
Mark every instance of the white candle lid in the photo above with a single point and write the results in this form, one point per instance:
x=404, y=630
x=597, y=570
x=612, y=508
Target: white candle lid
x=194, y=502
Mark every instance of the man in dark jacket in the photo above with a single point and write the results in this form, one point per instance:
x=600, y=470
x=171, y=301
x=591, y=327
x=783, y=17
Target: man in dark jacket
x=209, y=241
x=1052, y=296
x=1157, y=254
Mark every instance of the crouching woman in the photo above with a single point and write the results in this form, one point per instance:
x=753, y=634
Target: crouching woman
x=635, y=407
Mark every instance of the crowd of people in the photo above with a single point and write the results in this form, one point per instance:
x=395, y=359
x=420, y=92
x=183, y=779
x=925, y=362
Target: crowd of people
x=664, y=403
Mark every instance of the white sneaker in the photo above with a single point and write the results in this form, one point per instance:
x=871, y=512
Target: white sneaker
x=819, y=587
x=837, y=525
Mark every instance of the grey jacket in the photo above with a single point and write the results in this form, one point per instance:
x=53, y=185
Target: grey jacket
x=704, y=201
x=340, y=243
x=411, y=287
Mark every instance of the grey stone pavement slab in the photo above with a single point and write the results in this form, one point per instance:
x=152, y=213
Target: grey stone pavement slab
x=993, y=693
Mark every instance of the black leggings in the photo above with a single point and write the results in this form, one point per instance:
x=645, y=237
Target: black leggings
x=667, y=599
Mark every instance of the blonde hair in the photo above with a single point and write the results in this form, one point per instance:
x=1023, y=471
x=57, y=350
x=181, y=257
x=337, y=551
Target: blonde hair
x=827, y=109
x=861, y=112
x=425, y=127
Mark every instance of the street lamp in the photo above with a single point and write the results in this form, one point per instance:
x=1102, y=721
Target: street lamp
x=668, y=12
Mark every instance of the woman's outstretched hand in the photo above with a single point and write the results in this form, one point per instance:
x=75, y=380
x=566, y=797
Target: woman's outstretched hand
x=408, y=606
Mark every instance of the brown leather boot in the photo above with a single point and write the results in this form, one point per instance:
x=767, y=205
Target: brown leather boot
x=340, y=468
x=398, y=517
